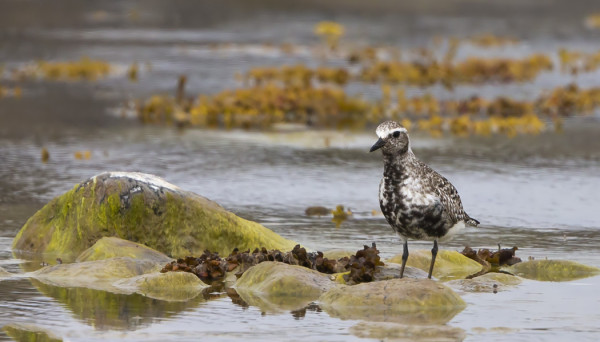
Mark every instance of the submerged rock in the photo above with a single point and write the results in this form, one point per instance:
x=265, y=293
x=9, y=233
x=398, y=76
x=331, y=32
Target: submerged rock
x=141, y=208
x=99, y=274
x=489, y=282
x=409, y=301
x=30, y=332
x=172, y=286
x=402, y=332
x=111, y=247
x=275, y=285
x=448, y=264
x=552, y=270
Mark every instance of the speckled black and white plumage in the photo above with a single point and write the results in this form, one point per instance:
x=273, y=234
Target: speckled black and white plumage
x=416, y=201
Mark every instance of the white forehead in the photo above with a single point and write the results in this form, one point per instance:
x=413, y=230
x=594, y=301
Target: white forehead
x=387, y=128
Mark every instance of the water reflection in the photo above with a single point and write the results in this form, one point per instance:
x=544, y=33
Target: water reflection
x=386, y=314
x=273, y=304
x=29, y=332
x=107, y=311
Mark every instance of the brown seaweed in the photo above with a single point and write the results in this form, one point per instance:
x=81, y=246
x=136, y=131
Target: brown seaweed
x=210, y=266
x=493, y=259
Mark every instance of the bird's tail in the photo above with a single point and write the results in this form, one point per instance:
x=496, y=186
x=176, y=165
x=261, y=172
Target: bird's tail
x=472, y=222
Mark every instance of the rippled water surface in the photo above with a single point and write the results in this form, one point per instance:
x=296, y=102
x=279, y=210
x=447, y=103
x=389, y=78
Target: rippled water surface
x=537, y=192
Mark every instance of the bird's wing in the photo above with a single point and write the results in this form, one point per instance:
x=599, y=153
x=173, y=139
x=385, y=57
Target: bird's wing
x=447, y=194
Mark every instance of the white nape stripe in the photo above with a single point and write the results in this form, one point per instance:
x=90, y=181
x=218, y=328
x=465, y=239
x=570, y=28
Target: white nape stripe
x=384, y=132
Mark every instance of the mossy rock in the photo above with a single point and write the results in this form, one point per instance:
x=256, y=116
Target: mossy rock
x=274, y=285
x=409, y=301
x=29, y=332
x=99, y=274
x=339, y=277
x=385, y=331
x=449, y=265
x=552, y=270
x=144, y=209
x=113, y=247
x=489, y=282
x=170, y=286
x=336, y=254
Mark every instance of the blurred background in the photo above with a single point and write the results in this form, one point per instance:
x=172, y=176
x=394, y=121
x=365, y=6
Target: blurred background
x=269, y=107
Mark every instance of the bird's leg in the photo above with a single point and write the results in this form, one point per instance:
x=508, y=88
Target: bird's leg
x=404, y=258
x=434, y=251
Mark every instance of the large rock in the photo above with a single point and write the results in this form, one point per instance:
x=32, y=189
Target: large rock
x=449, y=265
x=552, y=270
x=144, y=209
x=408, y=301
x=275, y=286
x=113, y=247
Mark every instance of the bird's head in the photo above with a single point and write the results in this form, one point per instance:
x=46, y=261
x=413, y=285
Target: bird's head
x=393, y=138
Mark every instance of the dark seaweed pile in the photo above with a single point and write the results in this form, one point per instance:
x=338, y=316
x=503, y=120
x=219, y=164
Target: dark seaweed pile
x=210, y=266
x=487, y=258
x=363, y=265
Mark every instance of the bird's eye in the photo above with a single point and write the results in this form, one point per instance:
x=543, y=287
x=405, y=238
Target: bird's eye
x=396, y=134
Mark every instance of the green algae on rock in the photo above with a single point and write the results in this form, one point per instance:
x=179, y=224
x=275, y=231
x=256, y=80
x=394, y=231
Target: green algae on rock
x=385, y=331
x=275, y=285
x=141, y=208
x=172, y=286
x=448, y=264
x=112, y=247
x=408, y=301
x=99, y=274
x=489, y=282
x=552, y=270
x=30, y=332
x=336, y=254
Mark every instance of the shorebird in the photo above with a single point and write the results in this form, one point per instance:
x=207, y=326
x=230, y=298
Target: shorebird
x=416, y=201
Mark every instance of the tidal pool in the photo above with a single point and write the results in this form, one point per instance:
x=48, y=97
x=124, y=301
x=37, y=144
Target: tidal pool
x=536, y=192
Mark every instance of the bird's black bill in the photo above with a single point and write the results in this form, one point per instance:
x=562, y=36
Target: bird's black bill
x=379, y=144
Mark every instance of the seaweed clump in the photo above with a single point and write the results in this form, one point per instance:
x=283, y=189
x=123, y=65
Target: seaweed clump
x=493, y=259
x=210, y=266
x=84, y=69
x=363, y=265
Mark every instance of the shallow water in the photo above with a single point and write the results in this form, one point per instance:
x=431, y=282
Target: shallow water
x=537, y=192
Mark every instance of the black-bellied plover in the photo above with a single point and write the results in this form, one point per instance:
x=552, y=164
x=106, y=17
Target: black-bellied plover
x=416, y=201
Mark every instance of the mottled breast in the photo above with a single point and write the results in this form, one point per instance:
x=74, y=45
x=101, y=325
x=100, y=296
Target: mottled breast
x=412, y=212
